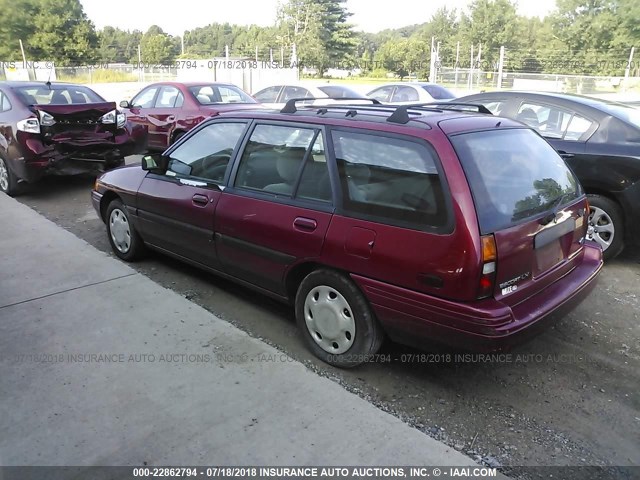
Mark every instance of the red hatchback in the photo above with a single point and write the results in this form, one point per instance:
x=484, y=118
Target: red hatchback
x=170, y=109
x=419, y=222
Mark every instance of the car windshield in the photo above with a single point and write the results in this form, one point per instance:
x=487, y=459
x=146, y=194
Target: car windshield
x=438, y=92
x=58, y=95
x=336, y=91
x=627, y=114
x=514, y=175
x=216, y=94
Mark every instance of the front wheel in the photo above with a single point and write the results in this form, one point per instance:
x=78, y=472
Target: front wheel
x=123, y=237
x=605, y=225
x=336, y=320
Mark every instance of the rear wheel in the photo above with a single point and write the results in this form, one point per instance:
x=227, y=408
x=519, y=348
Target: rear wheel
x=336, y=320
x=8, y=180
x=123, y=237
x=114, y=164
x=605, y=225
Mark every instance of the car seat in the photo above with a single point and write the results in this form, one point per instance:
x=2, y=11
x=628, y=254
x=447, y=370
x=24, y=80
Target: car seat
x=77, y=97
x=58, y=98
x=288, y=166
x=528, y=116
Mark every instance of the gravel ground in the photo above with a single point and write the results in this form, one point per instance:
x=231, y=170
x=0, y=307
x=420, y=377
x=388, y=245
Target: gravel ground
x=569, y=397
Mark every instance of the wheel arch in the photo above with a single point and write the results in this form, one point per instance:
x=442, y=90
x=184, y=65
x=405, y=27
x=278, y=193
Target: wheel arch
x=108, y=197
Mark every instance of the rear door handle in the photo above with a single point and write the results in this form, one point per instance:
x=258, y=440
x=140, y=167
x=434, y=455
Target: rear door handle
x=564, y=154
x=170, y=118
x=200, y=200
x=305, y=224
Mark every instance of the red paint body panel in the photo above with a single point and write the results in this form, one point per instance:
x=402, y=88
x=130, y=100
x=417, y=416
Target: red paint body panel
x=164, y=123
x=422, y=284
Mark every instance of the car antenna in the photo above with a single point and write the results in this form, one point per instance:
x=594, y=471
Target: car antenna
x=48, y=82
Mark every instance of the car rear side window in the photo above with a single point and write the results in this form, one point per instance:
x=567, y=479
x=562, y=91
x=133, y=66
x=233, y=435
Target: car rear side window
x=514, y=175
x=553, y=122
x=390, y=180
x=273, y=162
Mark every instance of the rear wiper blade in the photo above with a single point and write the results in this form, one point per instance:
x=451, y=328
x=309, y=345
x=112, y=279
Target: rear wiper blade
x=554, y=210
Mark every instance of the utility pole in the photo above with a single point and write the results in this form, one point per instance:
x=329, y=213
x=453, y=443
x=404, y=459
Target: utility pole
x=432, y=61
x=226, y=52
x=500, y=66
x=256, y=54
x=470, y=80
x=182, y=42
x=456, y=65
x=24, y=57
x=479, y=62
x=626, y=70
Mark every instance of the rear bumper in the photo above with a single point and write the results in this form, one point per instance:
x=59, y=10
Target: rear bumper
x=35, y=159
x=96, y=199
x=416, y=319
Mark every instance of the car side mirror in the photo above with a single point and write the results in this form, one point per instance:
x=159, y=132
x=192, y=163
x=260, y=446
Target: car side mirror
x=155, y=162
x=125, y=104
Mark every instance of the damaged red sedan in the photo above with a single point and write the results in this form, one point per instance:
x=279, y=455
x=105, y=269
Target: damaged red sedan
x=60, y=129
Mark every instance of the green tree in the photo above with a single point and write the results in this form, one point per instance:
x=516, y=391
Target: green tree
x=17, y=24
x=157, y=47
x=404, y=56
x=491, y=24
x=320, y=31
x=62, y=33
x=445, y=28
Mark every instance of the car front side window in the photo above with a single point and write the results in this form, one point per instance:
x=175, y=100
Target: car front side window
x=4, y=102
x=145, y=98
x=206, y=155
x=167, y=97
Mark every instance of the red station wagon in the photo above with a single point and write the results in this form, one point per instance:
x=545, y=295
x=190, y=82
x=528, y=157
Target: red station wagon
x=425, y=222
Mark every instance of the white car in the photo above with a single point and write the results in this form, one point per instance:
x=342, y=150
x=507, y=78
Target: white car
x=411, y=92
x=278, y=95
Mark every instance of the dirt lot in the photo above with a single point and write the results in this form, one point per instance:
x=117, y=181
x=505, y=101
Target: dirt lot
x=569, y=397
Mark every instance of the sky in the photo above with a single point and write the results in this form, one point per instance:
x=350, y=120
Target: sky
x=176, y=17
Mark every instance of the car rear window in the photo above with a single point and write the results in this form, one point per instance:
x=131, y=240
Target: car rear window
x=438, y=92
x=628, y=114
x=514, y=175
x=335, y=91
x=58, y=95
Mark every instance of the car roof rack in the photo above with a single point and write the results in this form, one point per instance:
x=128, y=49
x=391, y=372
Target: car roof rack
x=290, y=106
x=401, y=114
x=462, y=107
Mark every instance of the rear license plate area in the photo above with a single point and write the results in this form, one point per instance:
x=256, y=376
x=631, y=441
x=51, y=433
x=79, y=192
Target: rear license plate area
x=552, y=245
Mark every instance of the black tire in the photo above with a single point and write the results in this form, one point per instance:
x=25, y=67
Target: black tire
x=608, y=213
x=130, y=250
x=177, y=136
x=114, y=164
x=368, y=336
x=9, y=183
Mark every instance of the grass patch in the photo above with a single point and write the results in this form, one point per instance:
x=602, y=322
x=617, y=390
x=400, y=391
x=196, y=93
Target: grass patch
x=94, y=76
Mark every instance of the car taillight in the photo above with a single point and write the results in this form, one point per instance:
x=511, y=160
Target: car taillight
x=489, y=258
x=30, y=125
x=46, y=120
x=114, y=116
